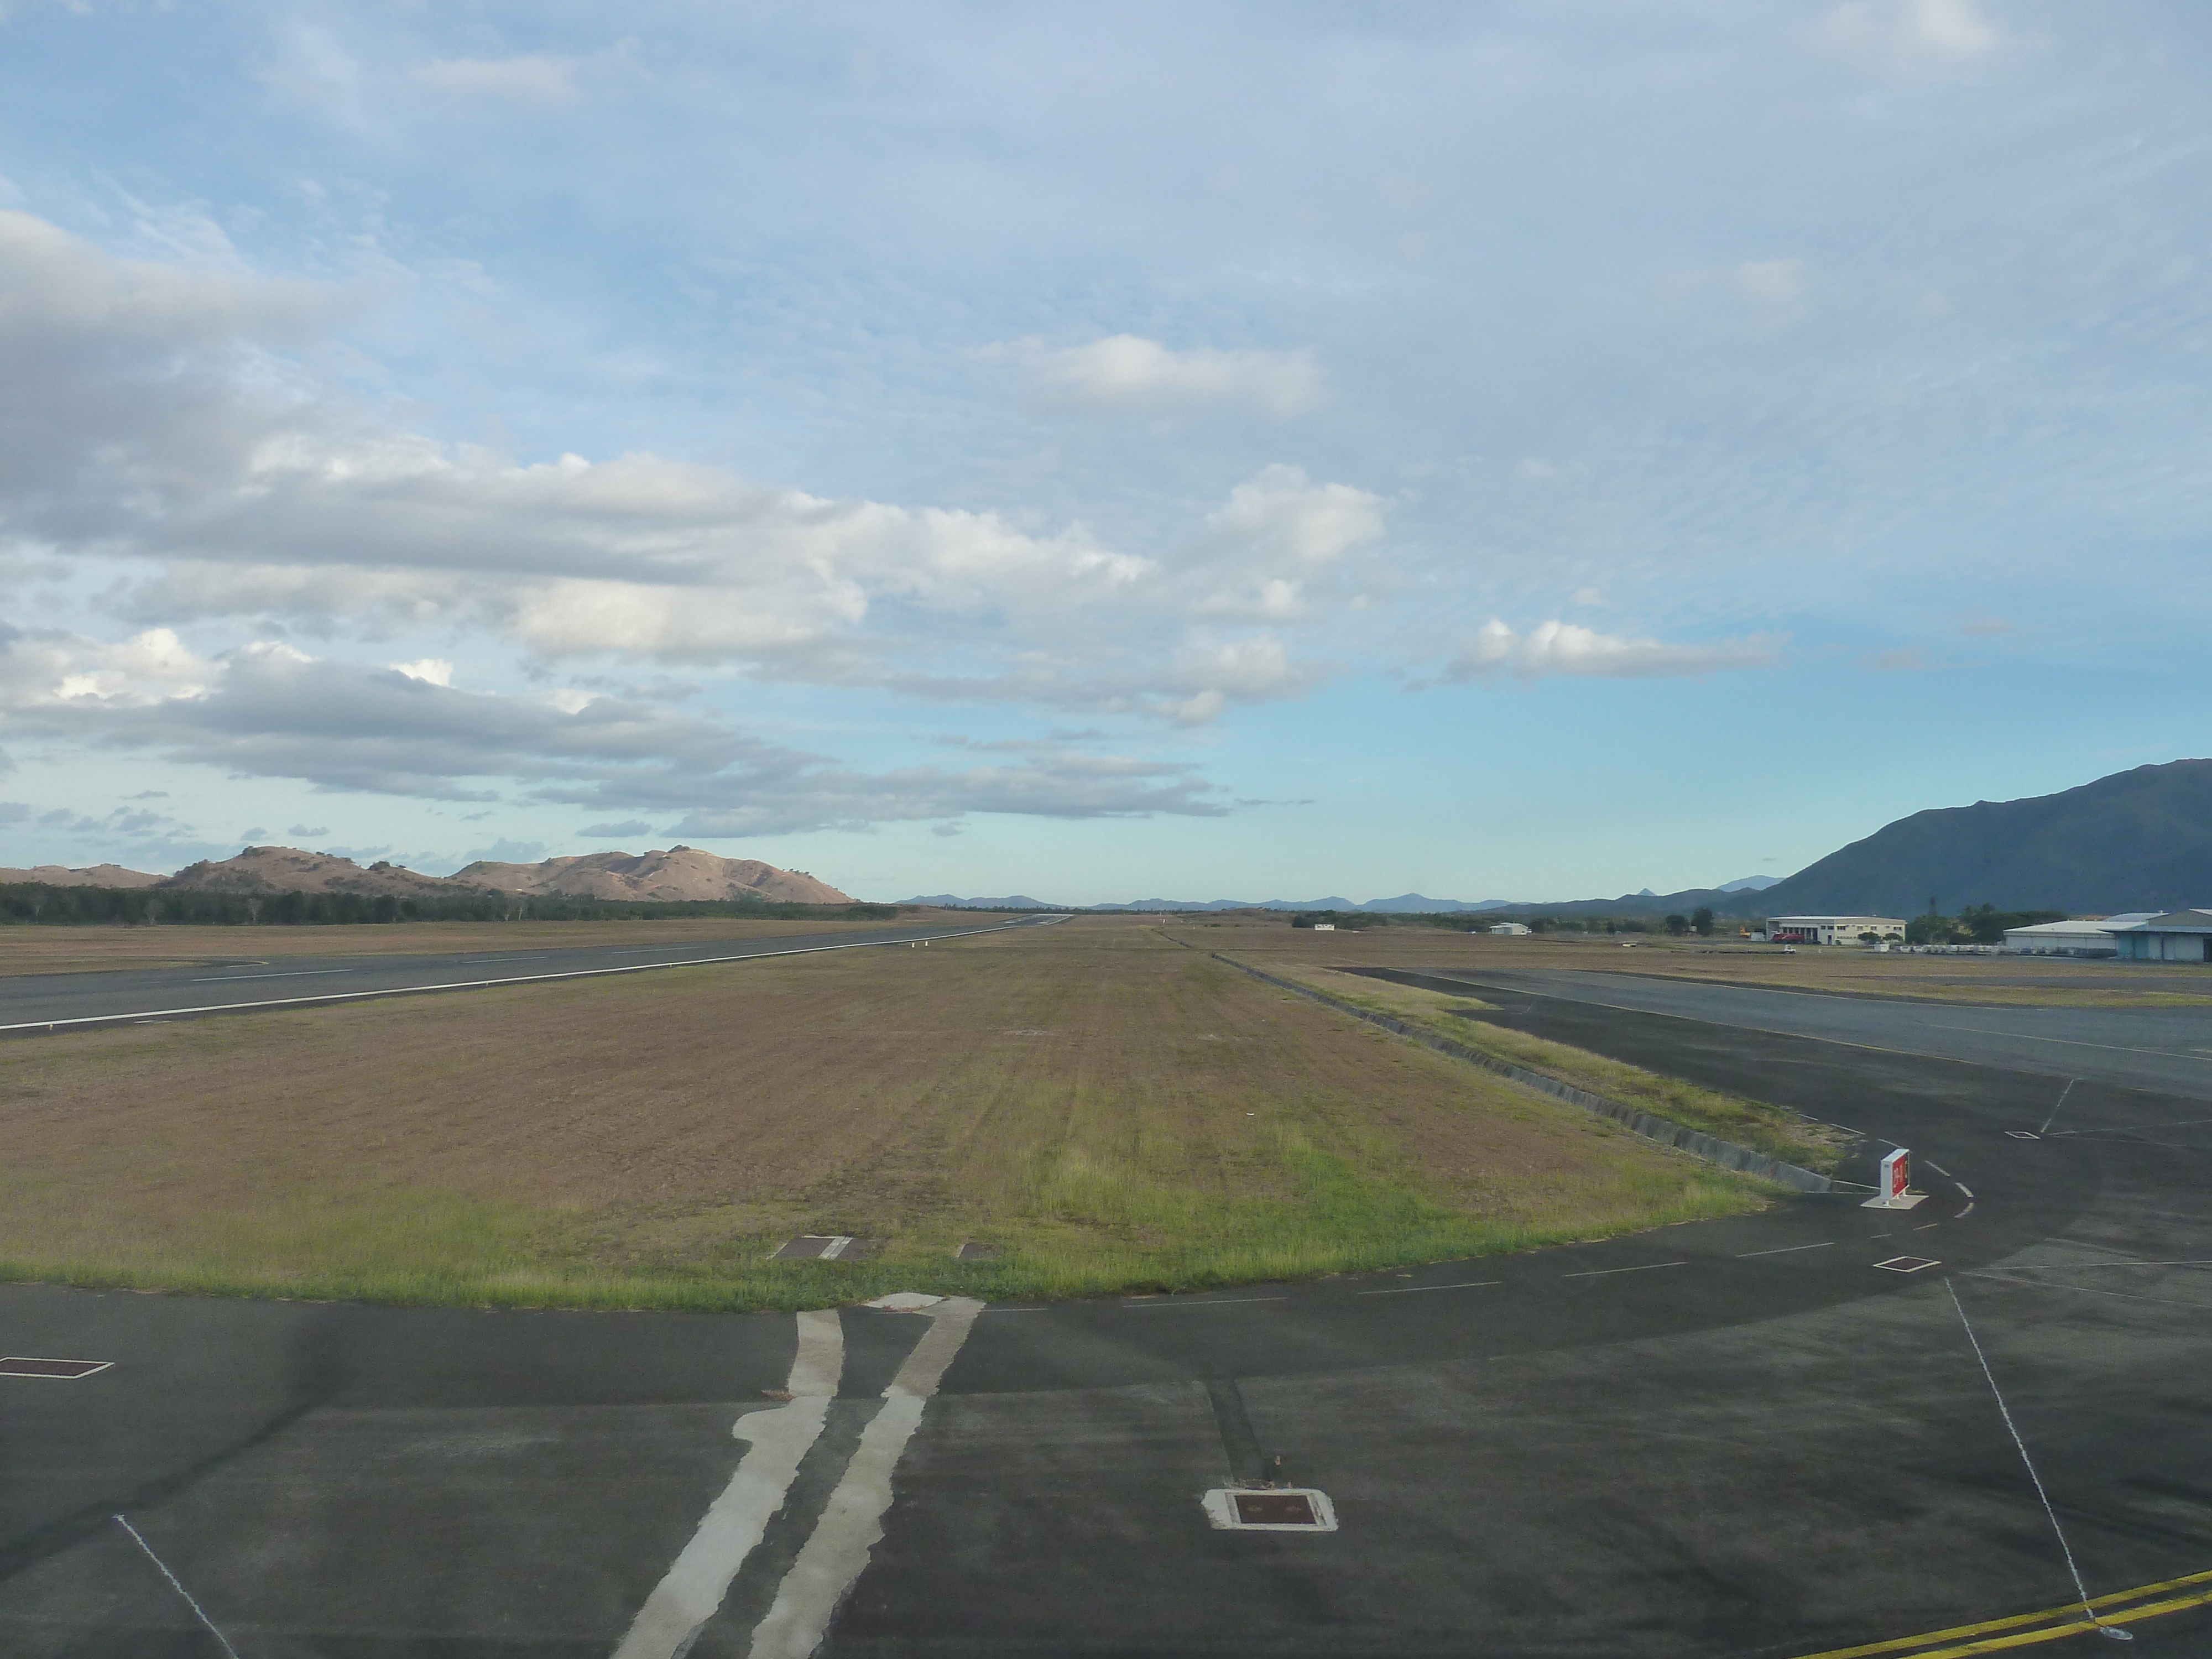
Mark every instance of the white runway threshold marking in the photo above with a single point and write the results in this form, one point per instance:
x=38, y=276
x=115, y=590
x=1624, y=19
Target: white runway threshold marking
x=838, y=1550
x=692, y=1592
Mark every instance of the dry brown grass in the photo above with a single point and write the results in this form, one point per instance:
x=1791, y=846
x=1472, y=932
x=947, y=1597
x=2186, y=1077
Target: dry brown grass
x=33, y=950
x=1839, y=971
x=1107, y=1108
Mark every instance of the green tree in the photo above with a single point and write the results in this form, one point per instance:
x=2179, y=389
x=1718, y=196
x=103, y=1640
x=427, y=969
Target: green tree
x=1701, y=919
x=1678, y=925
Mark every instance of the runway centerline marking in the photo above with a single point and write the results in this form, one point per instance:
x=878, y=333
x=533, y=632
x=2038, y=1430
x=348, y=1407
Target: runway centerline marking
x=297, y=973
x=1642, y=1267
x=1785, y=1249
x=1414, y=1290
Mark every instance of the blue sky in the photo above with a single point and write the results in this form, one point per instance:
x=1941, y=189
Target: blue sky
x=1499, y=451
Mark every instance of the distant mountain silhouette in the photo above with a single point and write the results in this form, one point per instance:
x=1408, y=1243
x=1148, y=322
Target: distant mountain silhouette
x=2134, y=840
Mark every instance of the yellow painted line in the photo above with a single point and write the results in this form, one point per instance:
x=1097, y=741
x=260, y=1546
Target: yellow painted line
x=2074, y=1625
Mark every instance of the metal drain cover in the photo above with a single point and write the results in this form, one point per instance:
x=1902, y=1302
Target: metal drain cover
x=67, y=1370
x=1908, y=1264
x=1270, y=1508
x=974, y=1252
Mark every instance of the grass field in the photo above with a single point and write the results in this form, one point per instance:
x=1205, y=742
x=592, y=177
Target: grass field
x=1840, y=970
x=30, y=949
x=1108, y=1110
x=1755, y=1123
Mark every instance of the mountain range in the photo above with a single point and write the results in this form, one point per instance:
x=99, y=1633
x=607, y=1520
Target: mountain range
x=2140, y=840
x=677, y=874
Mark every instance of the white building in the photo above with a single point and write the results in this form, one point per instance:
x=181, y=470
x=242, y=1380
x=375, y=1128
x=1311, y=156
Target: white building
x=1509, y=929
x=1831, y=930
x=2088, y=936
x=2177, y=936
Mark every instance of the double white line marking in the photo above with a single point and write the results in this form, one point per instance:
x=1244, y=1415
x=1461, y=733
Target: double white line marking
x=837, y=1550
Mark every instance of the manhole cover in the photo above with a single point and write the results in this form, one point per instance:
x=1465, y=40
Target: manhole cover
x=67, y=1370
x=1907, y=1264
x=1275, y=1509
x=973, y=1252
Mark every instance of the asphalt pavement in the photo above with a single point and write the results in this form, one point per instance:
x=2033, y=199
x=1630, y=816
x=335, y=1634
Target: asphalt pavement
x=32, y=1003
x=1779, y=1435
x=2163, y=1048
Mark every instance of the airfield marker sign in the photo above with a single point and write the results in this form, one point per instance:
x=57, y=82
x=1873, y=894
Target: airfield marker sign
x=1893, y=1193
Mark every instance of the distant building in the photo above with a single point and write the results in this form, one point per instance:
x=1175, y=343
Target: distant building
x=2084, y=936
x=2176, y=936
x=1508, y=929
x=1324, y=927
x=1831, y=930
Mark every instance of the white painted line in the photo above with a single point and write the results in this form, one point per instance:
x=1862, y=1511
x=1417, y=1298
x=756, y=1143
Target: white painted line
x=1203, y=1300
x=301, y=973
x=1938, y=1168
x=1786, y=1249
x=53, y=1370
x=1964, y=1213
x=2005, y=1412
x=1415, y=1290
x=2073, y=1266
x=1965, y=1191
x=477, y=984
x=693, y=1589
x=198, y=1612
x=834, y=1249
x=1000, y=1310
x=1596, y=1272
x=538, y=956
x=838, y=1550
x=2045, y=1285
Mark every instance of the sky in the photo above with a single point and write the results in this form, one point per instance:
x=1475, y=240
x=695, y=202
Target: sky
x=1499, y=450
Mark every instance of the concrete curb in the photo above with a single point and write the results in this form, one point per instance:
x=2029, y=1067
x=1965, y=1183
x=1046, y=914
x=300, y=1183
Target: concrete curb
x=1665, y=1131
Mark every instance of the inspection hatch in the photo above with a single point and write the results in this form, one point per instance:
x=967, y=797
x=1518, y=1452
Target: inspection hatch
x=67, y=1370
x=974, y=1252
x=1907, y=1264
x=1269, y=1509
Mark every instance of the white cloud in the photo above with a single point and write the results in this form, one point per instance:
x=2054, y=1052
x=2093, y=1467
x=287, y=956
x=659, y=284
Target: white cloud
x=1127, y=372
x=1280, y=512
x=1908, y=33
x=533, y=78
x=1565, y=648
x=431, y=670
x=270, y=710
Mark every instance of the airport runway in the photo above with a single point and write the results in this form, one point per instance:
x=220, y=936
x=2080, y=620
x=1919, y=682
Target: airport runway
x=31, y=1004
x=2164, y=1048
x=1747, y=1437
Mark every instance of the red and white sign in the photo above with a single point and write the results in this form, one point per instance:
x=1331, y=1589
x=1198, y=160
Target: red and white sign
x=1896, y=1173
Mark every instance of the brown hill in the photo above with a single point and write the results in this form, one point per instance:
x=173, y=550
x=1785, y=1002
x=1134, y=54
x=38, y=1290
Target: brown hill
x=679, y=873
x=288, y=870
x=97, y=875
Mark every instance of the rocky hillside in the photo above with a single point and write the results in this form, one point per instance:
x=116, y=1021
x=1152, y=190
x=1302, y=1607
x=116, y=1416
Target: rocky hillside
x=679, y=873
x=288, y=870
x=97, y=875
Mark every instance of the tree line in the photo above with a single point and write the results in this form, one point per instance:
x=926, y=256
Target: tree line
x=36, y=903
